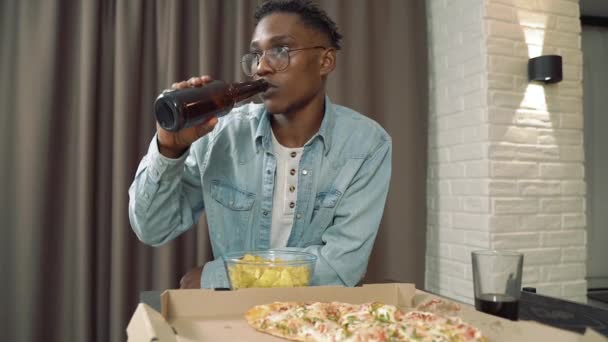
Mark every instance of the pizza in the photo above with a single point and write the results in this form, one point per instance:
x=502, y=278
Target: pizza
x=440, y=307
x=336, y=321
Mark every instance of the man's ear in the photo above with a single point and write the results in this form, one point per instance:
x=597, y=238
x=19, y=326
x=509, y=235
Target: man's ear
x=328, y=61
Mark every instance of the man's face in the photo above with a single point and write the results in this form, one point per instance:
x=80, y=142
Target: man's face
x=302, y=80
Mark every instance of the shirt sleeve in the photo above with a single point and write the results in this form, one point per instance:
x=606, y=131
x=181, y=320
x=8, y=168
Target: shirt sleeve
x=165, y=198
x=347, y=243
x=214, y=275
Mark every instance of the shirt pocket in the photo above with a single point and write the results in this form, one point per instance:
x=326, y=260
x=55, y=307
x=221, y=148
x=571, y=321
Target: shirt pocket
x=232, y=217
x=327, y=199
x=231, y=197
x=323, y=214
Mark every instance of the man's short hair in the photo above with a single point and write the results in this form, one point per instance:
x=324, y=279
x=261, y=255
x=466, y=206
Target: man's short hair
x=309, y=12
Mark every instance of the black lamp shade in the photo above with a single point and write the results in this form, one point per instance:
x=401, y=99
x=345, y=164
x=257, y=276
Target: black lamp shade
x=546, y=69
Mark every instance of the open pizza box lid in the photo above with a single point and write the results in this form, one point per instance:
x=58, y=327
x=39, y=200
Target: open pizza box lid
x=207, y=315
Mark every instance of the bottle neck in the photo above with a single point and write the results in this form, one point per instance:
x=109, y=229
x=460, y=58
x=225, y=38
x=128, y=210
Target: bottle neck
x=242, y=91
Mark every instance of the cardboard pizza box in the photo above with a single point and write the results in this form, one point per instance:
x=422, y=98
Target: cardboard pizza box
x=207, y=315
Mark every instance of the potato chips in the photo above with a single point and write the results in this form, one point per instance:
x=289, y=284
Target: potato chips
x=256, y=271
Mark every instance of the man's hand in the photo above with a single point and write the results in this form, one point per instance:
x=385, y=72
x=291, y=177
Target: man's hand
x=174, y=144
x=192, y=279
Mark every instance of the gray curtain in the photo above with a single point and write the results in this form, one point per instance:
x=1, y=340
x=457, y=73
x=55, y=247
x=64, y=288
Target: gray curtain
x=78, y=83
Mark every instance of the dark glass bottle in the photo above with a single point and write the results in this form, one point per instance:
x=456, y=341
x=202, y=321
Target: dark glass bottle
x=178, y=109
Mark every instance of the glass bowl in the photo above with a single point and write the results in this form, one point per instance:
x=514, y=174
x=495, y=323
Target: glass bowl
x=270, y=268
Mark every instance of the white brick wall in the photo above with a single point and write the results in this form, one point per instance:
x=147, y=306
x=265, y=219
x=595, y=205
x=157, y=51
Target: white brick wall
x=506, y=157
x=457, y=185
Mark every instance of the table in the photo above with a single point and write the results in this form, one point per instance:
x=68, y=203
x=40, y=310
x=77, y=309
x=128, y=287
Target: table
x=562, y=314
x=532, y=307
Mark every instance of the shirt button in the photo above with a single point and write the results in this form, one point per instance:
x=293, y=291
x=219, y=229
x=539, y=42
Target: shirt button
x=292, y=188
x=146, y=196
x=292, y=205
x=293, y=154
x=268, y=171
x=299, y=216
x=231, y=203
x=304, y=172
x=292, y=172
x=265, y=212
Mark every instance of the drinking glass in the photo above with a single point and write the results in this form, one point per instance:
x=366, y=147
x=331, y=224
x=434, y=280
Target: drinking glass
x=497, y=282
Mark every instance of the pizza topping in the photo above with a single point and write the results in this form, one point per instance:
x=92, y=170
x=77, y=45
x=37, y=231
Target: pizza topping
x=347, y=322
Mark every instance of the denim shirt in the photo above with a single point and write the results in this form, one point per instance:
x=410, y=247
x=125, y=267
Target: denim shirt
x=229, y=173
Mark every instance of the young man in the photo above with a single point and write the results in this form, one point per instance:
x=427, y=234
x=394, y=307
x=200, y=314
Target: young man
x=296, y=172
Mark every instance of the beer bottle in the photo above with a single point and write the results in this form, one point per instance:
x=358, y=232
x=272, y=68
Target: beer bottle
x=182, y=108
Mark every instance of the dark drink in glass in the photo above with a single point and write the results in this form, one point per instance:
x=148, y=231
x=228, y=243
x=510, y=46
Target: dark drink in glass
x=501, y=305
x=497, y=282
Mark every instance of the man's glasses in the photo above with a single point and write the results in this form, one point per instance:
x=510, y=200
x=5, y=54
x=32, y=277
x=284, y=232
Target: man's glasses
x=277, y=58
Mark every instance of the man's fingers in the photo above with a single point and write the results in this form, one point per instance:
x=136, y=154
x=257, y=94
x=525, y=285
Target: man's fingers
x=206, y=79
x=195, y=82
x=192, y=82
x=200, y=81
x=180, y=85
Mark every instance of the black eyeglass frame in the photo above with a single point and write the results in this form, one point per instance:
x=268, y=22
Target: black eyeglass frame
x=248, y=58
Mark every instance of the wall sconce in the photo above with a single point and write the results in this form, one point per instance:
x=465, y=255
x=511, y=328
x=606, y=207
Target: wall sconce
x=546, y=69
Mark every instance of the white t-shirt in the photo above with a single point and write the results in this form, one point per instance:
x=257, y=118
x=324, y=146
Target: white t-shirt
x=285, y=192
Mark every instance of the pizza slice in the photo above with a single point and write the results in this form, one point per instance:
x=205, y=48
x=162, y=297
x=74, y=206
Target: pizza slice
x=426, y=326
x=335, y=321
x=439, y=307
x=296, y=321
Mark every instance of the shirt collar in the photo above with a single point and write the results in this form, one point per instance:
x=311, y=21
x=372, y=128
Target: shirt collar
x=263, y=135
